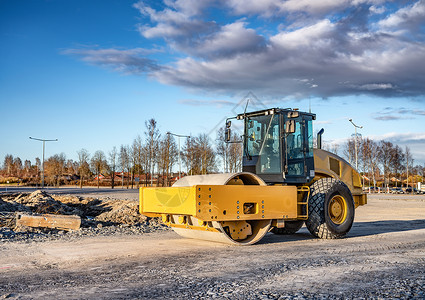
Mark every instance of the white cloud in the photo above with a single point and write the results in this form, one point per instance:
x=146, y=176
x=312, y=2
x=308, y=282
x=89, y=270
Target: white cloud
x=376, y=86
x=317, y=35
x=129, y=61
x=264, y=7
x=312, y=6
x=391, y=114
x=322, y=122
x=407, y=17
x=269, y=8
x=402, y=137
x=181, y=19
x=334, y=44
x=377, y=9
x=231, y=39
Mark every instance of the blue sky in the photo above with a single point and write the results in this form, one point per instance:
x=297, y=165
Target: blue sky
x=90, y=73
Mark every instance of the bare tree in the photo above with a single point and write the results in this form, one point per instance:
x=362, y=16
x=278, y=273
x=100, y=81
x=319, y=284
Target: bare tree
x=38, y=166
x=113, y=154
x=335, y=147
x=222, y=148
x=152, y=135
x=204, y=156
x=167, y=157
x=98, y=164
x=137, y=149
x=234, y=156
x=230, y=153
x=55, y=166
x=188, y=155
x=17, y=164
x=124, y=161
x=83, y=164
x=417, y=174
x=409, y=164
x=397, y=162
x=145, y=162
x=363, y=159
x=350, y=150
x=384, y=157
x=27, y=167
x=420, y=171
x=71, y=167
x=370, y=153
x=8, y=163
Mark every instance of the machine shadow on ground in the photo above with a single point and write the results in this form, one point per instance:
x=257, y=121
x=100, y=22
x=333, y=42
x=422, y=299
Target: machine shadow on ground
x=272, y=238
x=387, y=226
x=359, y=229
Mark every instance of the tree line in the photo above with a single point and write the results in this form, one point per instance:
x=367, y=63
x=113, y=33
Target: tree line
x=385, y=164
x=150, y=159
x=146, y=161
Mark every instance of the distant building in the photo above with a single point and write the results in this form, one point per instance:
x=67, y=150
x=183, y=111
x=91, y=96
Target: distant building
x=100, y=177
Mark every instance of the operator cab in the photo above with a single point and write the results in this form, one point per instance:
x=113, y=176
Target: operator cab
x=278, y=145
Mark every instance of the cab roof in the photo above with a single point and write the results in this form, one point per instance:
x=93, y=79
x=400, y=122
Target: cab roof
x=272, y=111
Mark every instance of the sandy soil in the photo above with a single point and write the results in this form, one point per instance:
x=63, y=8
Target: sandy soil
x=383, y=257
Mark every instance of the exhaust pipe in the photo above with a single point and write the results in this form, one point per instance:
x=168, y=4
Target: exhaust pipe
x=319, y=138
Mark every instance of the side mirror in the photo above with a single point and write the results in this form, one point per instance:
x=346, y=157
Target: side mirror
x=290, y=126
x=227, y=134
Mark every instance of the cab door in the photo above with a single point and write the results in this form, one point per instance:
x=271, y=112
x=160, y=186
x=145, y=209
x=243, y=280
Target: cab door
x=298, y=150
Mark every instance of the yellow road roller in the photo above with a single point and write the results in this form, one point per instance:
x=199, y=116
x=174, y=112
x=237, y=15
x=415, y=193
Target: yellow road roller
x=284, y=183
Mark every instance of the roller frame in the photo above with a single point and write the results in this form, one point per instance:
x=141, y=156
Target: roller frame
x=218, y=211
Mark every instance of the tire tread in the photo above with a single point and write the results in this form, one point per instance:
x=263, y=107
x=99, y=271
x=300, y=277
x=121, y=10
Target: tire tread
x=316, y=222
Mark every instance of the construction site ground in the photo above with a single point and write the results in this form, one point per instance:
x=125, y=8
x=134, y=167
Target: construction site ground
x=113, y=257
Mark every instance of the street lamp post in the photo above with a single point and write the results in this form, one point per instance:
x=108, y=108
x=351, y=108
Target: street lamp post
x=355, y=141
x=42, y=164
x=179, y=136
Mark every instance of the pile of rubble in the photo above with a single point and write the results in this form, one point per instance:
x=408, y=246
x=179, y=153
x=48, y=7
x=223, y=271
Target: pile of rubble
x=97, y=216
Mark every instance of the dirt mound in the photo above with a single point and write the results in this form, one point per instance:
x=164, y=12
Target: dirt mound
x=123, y=212
x=42, y=203
x=83, y=207
x=95, y=210
x=7, y=207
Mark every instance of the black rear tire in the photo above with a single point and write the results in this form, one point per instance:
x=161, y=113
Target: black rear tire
x=330, y=209
x=291, y=227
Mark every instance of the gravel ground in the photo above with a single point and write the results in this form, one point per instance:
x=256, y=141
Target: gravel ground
x=100, y=216
x=7, y=235
x=383, y=257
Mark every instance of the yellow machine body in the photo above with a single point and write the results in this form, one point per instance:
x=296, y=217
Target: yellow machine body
x=222, y=202
x=327, y=164
x=237, y=209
